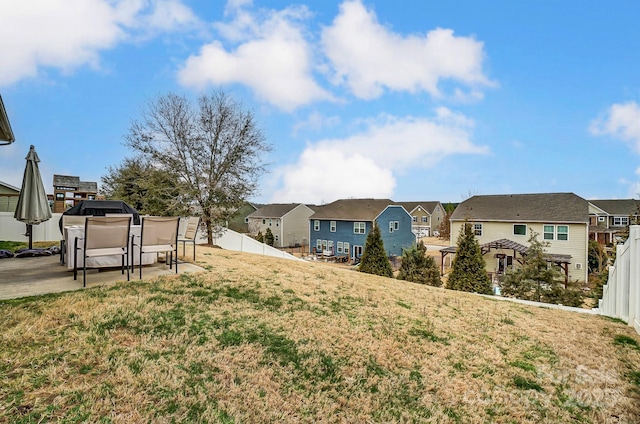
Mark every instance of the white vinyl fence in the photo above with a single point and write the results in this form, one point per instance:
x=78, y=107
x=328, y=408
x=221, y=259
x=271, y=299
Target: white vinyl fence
x=230, y=240
x=13, y=230
x=621, y=294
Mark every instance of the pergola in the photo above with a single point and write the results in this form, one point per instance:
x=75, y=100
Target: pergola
x=562, y=261
x=6, y=135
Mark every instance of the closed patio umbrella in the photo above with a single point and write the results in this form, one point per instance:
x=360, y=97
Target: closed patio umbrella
x=33, y=206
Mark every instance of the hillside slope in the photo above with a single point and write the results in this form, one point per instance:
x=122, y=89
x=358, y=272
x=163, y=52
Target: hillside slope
x=257, y=339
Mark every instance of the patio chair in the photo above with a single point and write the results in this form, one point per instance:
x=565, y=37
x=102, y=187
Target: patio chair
x=68, y=221
x=158, y=235
x=190, y=234
x=102, y=237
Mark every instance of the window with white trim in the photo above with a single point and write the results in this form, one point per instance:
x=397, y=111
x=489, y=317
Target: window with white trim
x=414, y=218
x=276, y=238
x=346, y=248
x=620, y=221
x=391, y=226
x=316, y=225
x=332, y=226
x=519, y=230
x=477, y=230
x=318, y=245
x=547, y=232
x=339, y=247
x=562, y=232
x=270, y=222
x=359, y=227
x=277, y=222
x=425, y=219
x=330, y=246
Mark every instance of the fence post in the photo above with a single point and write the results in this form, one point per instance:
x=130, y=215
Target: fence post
x=634, y=277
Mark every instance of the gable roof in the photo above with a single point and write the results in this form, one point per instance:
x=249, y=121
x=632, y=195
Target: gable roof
x=623, y=207
x=353, y=209
x=429, y=207
x=6, y=134
x=542, y=207
x=9, y=186
x=274, y=210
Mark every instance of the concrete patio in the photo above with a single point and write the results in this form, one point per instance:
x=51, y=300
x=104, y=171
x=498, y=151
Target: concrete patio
x=22, y=277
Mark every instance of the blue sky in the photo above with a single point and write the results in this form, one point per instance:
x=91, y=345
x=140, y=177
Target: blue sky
x=412, y=100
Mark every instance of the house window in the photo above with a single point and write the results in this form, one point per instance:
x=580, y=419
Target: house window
x=318, y=245
x=620, y=221
x=414, y=218
x=276, y=238
x=519, y=230
x=270, y=222
x=340, y=247
x=332, y=226
x=346, y=248
x=601, y=219
x=324, y=245
x=547, y=232
x=330, y=246
x=316, y=225
x=562, y=232
x=246, y=220
x=393, y=226
x=277, y=222
x=359, y=227
x=477, y=230
x=424, y=219
x=59, y=196
x=264, y=221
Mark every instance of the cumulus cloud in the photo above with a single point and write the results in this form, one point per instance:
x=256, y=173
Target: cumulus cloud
x=323, y=174
x=369, y=57
x=67, y=34
x=270, y=55
x=364, y=164
x=622, y=120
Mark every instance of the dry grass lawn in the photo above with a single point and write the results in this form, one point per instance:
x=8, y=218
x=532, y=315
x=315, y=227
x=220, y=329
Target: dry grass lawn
x=262, y=340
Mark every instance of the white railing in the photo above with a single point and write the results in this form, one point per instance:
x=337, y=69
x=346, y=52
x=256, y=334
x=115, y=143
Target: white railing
x=621, y=294
x=13, y=230
x=231, y=240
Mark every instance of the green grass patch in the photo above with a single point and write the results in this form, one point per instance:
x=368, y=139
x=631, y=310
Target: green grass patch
x=526, y=384
x=426, y=334
x=623, y=340
x=523, y=365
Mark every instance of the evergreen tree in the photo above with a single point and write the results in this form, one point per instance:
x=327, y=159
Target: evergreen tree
x=374, y=258
x=417, y=267
x=468, y=270
x=260, y=237
x=268, y=237
x=536, y=280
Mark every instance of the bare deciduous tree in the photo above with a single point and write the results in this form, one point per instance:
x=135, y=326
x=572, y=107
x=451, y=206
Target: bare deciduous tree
x=215, y=151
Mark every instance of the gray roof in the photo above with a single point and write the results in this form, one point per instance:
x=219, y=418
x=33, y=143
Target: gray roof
x=427, y=206
x=274, y=210
x=6, y=133
x=622, y=207
x=542, y=207
x=352, y=209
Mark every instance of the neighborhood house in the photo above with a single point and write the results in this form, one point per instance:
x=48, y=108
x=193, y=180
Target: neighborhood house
x=503, y=224
x=341, y=228
x=289, y=223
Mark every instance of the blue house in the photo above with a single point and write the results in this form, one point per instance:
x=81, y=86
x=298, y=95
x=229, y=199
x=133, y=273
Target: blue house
x=341, y=228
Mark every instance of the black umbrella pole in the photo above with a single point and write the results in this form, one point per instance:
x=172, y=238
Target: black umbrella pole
x=30, y=234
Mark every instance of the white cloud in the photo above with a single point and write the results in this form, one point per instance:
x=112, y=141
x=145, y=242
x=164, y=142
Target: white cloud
x=369, y=57
x=315, y=122
x=364, y=164
x=273, y=58
x=324, y=174
x=67, y=34
x=622, y=120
